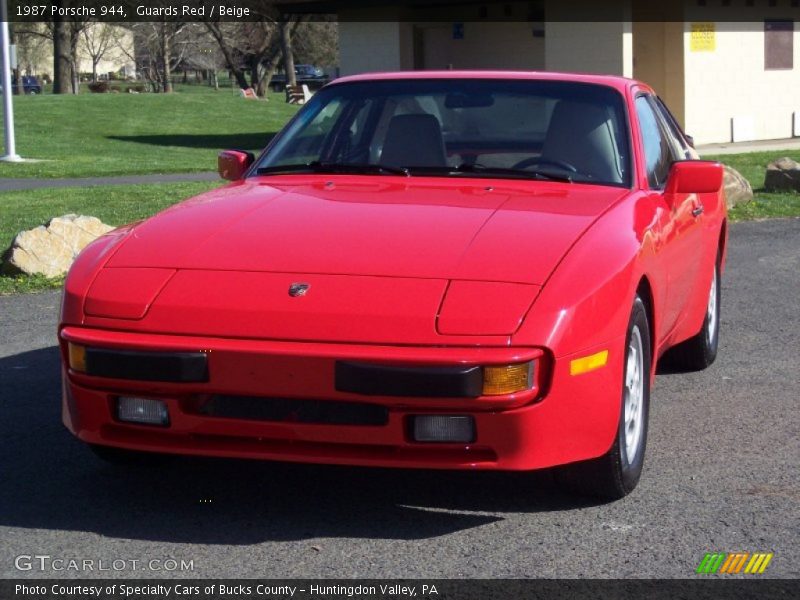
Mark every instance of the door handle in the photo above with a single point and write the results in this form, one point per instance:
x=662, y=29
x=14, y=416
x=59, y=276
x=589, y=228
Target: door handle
x=698, y=211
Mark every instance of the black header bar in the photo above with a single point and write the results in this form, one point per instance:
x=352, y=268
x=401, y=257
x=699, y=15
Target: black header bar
x=702, y=588
x=534, y=11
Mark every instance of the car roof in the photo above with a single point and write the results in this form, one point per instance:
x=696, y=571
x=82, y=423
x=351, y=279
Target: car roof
x=615, y=81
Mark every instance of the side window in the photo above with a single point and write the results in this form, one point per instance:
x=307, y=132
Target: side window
x=657, y=153
x=673, y=130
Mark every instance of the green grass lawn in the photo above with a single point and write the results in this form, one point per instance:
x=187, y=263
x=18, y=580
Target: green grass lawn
x=765, y=205
x=115, y=205
x=121, y=134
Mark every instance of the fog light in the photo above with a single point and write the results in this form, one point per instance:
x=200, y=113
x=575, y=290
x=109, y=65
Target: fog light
x=77, y=357
x=507, y=379
x=444, y=428
x=142, y=410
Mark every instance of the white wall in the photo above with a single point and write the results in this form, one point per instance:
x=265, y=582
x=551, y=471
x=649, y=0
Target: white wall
x=485, y=45
x=372, y=46
x=731, y=82
x=389, y=46
x=589, y=47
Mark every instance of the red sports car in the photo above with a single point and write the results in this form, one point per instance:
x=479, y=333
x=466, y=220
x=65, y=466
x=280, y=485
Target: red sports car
x=455, y=270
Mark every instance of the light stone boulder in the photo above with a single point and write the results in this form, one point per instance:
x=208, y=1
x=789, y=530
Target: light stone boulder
x=50, y=249
x=737, y=189
x=783, y=175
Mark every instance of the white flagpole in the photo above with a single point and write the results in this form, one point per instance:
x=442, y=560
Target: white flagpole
x=5, y=80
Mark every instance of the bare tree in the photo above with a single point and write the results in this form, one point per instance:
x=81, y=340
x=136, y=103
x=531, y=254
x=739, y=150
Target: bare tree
x=65, y=35
x=227, y=36
x=98, y=39
x=316, y=43
x=161, y=49
x=255, y=48
x=203, y=53
x=33, y=46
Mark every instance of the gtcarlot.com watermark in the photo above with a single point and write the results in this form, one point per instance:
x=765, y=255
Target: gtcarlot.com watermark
x=48, y=563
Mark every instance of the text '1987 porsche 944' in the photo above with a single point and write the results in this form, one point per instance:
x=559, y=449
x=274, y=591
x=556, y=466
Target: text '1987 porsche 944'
x=451, y=270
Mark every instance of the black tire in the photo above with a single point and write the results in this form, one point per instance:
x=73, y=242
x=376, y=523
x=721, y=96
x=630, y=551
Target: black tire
x=614, y=475
x=128, y=458
x=700, y=351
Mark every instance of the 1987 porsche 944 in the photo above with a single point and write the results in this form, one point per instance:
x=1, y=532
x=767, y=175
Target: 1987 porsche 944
x=456, y=270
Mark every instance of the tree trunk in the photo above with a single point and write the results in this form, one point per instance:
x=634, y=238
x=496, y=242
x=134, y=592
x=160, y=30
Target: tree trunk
x=75, y=79
x=62, y=73
x=266, y=79
x=286, y=50
x=233, y=67
x=74, y=39
x=254, y=75
x=166, y=53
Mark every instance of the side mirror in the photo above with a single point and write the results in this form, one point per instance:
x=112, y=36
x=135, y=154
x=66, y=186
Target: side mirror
x=233, y=164
x=694, y=177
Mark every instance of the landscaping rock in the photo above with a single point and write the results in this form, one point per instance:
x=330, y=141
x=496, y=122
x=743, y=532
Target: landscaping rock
x=782, y=175
x=50, y=249
x=737, y=189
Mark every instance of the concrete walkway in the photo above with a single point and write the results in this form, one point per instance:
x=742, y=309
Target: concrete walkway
x=757, y=146
x=11, y=184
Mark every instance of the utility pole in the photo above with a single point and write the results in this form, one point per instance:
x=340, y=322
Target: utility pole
x=5, y=81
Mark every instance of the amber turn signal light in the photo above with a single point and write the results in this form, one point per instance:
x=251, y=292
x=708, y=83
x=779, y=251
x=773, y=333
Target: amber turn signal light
x=507, y=379
x=77, y=357
x=588, y=363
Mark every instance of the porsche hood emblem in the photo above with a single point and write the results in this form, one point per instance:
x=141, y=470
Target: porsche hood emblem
x=298, y=289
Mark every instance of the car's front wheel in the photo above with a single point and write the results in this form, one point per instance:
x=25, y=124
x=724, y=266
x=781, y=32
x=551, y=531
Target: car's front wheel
x=698, y=352
x=616, y=473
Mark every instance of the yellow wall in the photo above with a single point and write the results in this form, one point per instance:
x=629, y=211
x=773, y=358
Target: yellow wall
x=658, y=61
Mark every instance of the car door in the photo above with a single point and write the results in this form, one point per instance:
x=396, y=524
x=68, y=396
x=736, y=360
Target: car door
x=679, y=226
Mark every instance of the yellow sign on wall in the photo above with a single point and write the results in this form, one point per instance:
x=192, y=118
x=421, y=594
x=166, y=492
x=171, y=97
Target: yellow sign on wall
x=704, y=37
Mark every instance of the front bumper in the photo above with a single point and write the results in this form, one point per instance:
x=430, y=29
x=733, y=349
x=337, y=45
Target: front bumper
x=566, y=419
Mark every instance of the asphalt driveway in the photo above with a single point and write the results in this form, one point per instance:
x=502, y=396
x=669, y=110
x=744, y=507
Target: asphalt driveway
x=721, y=474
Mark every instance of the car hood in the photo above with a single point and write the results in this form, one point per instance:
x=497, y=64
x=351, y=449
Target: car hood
x=470, y=229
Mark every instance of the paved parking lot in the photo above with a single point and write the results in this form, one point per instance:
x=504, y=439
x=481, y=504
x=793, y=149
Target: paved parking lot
x=721, y=475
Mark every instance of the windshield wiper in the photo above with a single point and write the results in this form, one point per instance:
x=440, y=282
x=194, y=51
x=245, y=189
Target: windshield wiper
x=327, y=167
x=507, y=172
x=374, y=168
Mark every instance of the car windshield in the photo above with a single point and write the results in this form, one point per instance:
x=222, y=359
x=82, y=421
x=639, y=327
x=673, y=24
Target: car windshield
x=308, y=70
x=557, y=130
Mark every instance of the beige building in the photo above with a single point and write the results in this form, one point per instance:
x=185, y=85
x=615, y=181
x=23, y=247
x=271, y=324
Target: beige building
x=111, y=45
x=724, y=80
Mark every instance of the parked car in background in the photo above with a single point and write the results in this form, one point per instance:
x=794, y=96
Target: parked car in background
x=30, y=84
x=450, y=270
x=312, y=76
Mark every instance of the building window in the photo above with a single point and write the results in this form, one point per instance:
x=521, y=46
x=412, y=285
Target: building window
x=778, y=44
